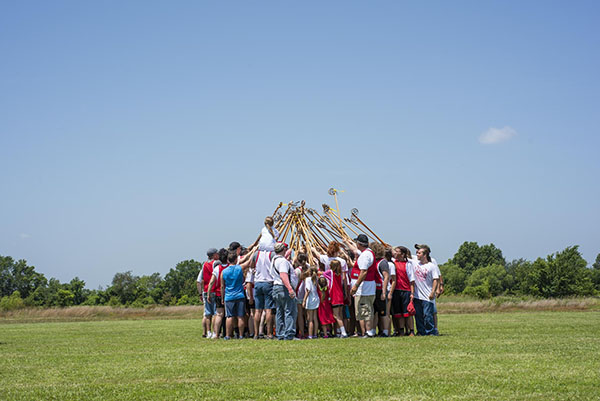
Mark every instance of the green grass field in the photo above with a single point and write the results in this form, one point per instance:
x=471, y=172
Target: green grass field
x=488, y=356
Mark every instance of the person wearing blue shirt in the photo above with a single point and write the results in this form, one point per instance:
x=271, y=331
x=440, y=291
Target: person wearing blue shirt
x=232, y=285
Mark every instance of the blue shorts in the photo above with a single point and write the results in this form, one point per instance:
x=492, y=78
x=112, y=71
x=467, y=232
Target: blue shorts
x=210, y=306
x=236, y=307
x=263, y=295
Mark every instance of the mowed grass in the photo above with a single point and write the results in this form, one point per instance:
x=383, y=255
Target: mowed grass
x=524, y=355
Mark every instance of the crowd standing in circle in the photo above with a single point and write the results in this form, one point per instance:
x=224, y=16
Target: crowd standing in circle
x=357, y=289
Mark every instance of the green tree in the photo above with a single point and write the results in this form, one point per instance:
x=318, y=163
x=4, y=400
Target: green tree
x=54, y=286
x=455, y=278
x=182, y=279
x=595, y=273
x=525, y=278
x=488, y=281
x=17, y=276
x=12, y=302
x=124, y=287
x=149, y=289
x=40, y=296
x=64, y=297
x=470, y=256
x=77, y=288
x=565, y=274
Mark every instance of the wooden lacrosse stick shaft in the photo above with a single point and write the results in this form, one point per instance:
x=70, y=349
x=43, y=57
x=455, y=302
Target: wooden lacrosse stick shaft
x=350, y=228
x=316, y=231
x=371, y=231
x=362, y=230
x=341, y=229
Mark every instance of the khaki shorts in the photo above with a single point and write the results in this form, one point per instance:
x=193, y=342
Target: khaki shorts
x=363, y=306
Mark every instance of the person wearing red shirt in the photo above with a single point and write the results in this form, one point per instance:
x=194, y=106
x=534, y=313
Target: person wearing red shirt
x=403, y=322
x=202, y=285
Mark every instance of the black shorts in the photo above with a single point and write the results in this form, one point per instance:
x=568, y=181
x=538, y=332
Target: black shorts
x=400, y=301
x=219, y=302
x=378, y=304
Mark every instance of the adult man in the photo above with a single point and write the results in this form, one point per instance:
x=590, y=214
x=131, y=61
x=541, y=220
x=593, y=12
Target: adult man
x=202, y=286
x=232, y=286
x=263, y=291
x=284, y=293
x=440, y=291
x=426, y=282
x=363, y=283
x=215, y=285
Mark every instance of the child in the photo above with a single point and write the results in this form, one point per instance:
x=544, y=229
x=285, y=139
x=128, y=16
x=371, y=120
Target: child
x=325, y=311
x=311, y=300
x=336, y=291
x=301, y=272
x=268, y=236
x=249, y=292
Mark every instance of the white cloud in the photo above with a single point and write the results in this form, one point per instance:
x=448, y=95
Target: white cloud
x=24, y=236
x=496, y=135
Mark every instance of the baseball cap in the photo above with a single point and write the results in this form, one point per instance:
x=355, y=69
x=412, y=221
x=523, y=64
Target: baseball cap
x=362, y=239
x=280, y=246
x=212, y=251
x=423, y=246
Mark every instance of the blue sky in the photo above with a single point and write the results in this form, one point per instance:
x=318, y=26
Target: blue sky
x=138, y=134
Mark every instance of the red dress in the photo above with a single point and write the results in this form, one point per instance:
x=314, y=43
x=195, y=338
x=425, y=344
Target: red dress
x=336, y=292
x=325, y=311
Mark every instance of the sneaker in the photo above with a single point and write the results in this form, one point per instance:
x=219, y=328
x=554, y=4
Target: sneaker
x=226, y=338
x=344, y=336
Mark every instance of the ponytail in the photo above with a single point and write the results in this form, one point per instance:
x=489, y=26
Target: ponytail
x=269, y=225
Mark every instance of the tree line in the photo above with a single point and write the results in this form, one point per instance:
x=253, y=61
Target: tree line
x=474, y=270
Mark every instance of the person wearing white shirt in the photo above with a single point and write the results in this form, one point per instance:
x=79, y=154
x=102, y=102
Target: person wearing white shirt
x=426, y=279
x=363, y=284
x=284, y=293
x=268, y=235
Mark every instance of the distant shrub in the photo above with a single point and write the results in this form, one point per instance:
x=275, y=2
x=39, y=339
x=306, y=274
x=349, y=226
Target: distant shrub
x=184, y=300
x=454, y=278
x=142, y=302
x=12, y=302
x=114, y=302
x=487, y=282
x=92, y=300
x=65, y=298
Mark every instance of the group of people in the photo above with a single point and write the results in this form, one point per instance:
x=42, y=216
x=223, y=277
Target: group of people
x=356, y=289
